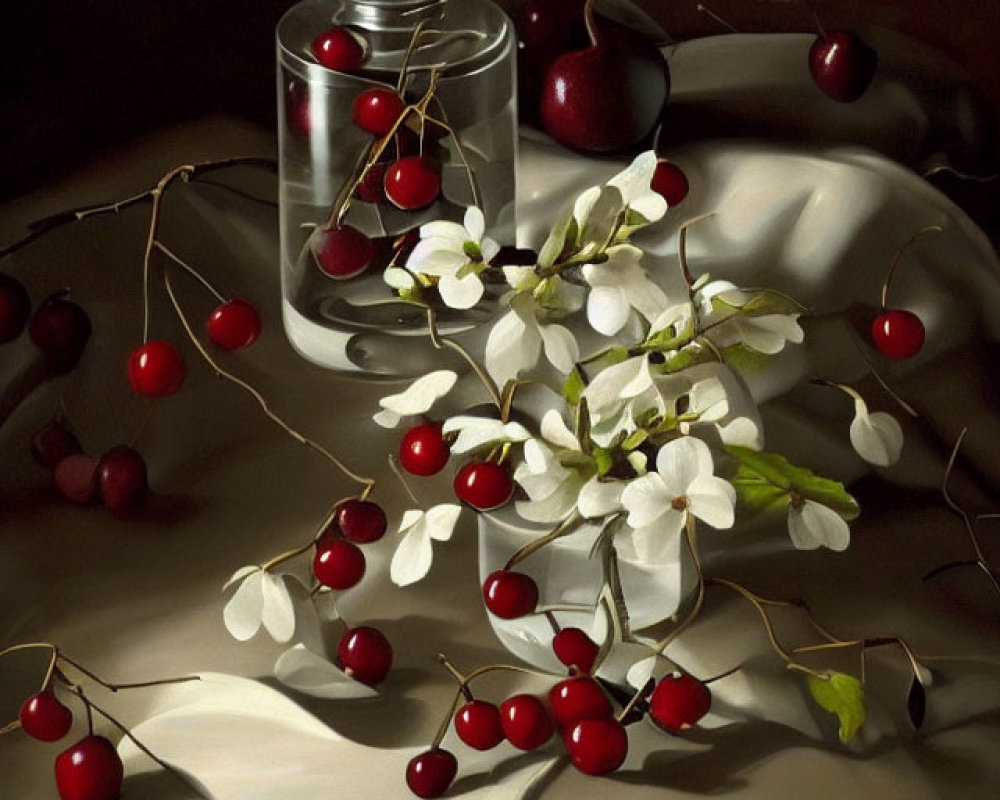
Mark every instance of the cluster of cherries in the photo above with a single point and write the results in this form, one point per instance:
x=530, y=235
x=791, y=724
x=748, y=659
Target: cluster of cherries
x=578, y=707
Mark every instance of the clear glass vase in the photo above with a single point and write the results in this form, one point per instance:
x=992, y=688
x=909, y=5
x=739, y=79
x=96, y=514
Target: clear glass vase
x=356, y=324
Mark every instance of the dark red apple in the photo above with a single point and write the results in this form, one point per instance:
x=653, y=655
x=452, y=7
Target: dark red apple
x=842, y=65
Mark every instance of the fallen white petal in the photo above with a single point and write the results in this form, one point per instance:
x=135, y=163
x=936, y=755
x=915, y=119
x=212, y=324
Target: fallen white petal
x=877, y=437
x=441, y=520
x=306, y=672
x=814, y=525
x=414, y=555
x=386, y=418
x=278, y=612
x=240, y=574
x=421, y=394
x=476, y=432
x=242, y=614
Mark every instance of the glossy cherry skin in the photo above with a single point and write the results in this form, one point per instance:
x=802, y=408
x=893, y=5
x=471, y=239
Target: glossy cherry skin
x=342, y=252
x=365, y=654
x=376, y=110
x=670, y=182
x=526, y=722
x=60, y=329
x=898, y=333
x=52, y=443
x=478, y=724
x=76, y=478
x=234, y=325
x=44, y=718
x=89, y=770
x=679, y=701
x=574, y=648
x=579, y=698
x=121, y=478
x=156, y=369
x=510, y=595
x=423, y=451
x=842, y=65
x=597, y=746
x=361, y=521
x=339, y=49
x=15, y=308
x=483, y=485
x=429, y=774
x=411, y=183
x=338, y=563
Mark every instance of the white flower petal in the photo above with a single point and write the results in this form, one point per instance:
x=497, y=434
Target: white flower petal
x=599, y=498
x=441, y=520
x=742, y=432
x=585, y=203
x=681, y=461
x=521, y=278
x=399, y=278
x=445, y=230
x=511, y=347
x=651, y=205
x=306, y=672
x=240, y=574
x=712, y=500
x=460, y=292
x=242, y=613
x=414, y=555
x=554, y=429
x=488, y=248
x=607, y=309
x=410, y=518
x=475, y=432
x=877, y=438
x=554, y=507
x=646, y=499
x=431, y=257
x=278, y=613
x=634, y=181
x=814, y=525
x=420, y=395
x=769, y=333
x=604, y=391
x=561, y=348
x=475, y=223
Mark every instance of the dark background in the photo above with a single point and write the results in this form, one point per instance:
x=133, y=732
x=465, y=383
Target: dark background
x=80, y=76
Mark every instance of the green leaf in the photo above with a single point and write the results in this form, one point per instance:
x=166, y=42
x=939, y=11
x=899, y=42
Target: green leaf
x=767, y=301
x=546, y=293
x=573, y=386
x=767, y=479
x=604, y=459
x=636, y=438
x=670, y=338
x=556, y=243
x=573, y=459
x=745, y=359
x=842, y=695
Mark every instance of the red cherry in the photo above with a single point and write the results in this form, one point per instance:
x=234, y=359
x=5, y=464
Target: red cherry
x=429, y=774
x=574, y=648
x=365, y=654
x=89, y=770
x=44, y=718
x=121, y=478
x=15, y=308
x=376, y=110
x=575, y=699
x=898, y=333
x=483, y=485
x=478, y=724
x=297, y=113
x=411, y=183
x=510, y=595
x=156, y=369
x=234, y=325
x=597, y=746
x=342, y=252
x=679, y=701
x=423, y=451
x=526, y=722
x=669, y=181
x=339, y=49
x=60, y=329
x=842, y=65
x=338, y=563
x=371, y=188
x=361, y=520
x=53, y=443
x=76, y=478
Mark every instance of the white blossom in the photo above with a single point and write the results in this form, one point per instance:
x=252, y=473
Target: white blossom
x=262, y=599
x=416, y=399
x=617, y=286
x=812, y=525
x=520, y=336
x=476, y=432
x=877, y=437
x=634, y=190
x=415, y=553
x=767, y=333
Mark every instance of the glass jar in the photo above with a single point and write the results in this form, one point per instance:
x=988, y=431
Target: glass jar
x=358, y=324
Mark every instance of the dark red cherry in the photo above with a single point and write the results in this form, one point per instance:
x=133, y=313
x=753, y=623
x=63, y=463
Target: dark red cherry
x=526, y=722
x=545, y=30
x=44, y=718
x=574, y=648
x=429, y=774
x=510, y=595
x=15, y=308
x=376, y=110
x=360, y=521
x=338, y=563
x=340, y=49
x=76, y=478
x=898, y=333
x=423, y=451
x=578, y=698
x=670, y=182
x=297, y=113
x=121, y=478
x=411, y=183
x=52, y=443
x=89, y=770
x=365, y=654
x=478, y=724
x=371, y=187
x=483, y=485
x=156, y=369
x=679, y=701
x=342, y=252
x=597, y=746
x=60, y=329
x=842, y=65
x=233, y=325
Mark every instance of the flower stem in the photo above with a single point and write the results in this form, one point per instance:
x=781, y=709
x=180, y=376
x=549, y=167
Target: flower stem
x=564, y=528
x=190, y=270
x=441, y=342
x=899, y=256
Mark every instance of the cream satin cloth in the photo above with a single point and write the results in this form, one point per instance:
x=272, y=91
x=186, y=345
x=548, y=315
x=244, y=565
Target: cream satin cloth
x=140, y=599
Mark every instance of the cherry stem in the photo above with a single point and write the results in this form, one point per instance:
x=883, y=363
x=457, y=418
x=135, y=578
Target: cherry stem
x=898, y=257
x=290, y=554
x=441, y=342
x=402, y=479
x=114, y=687
x=368, y=483
x=639, y=695
x=819, y=23
x=477, y=199
x=458, y=676
x=190, y=270
x=564, y=528
x=682, y=247
x=418, y=31
x=705, y=10
x=690, y=537
x=882, y=382
x=588, y=20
